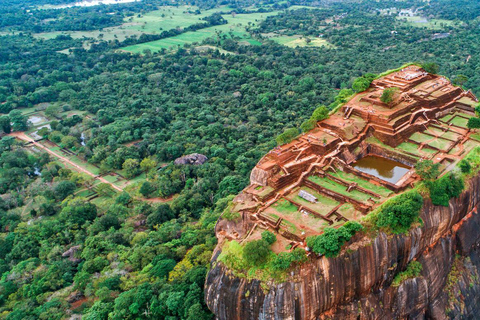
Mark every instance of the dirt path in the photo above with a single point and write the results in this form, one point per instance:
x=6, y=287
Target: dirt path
x=24, y=137
x=159, y=200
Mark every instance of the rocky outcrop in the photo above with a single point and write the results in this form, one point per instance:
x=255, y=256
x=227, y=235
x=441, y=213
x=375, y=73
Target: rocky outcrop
x=191, y=159
x=358, y=283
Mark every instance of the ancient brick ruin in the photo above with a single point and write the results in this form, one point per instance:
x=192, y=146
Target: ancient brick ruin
x=426, y=120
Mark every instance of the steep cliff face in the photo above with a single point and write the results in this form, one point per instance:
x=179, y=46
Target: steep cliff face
x=358, y=283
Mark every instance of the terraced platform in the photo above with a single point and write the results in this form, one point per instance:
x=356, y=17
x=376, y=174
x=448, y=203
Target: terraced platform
x=427, y=120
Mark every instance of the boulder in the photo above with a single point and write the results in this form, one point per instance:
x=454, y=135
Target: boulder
x=191, y=159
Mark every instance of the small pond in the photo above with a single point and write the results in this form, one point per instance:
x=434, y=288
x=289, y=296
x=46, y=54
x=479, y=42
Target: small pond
x=383, y=168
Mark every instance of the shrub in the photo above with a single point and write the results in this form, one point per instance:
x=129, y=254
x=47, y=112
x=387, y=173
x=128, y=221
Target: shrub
x=320, y=113
x=388, y=94
x=269, y=237
x=430, y=67
x=331, y=241
x=445, y=188
x=284, y=260
x=399, y=213
x=308, y=125
x=465, y=166
x=287, y=136
x=413, y=270
x=427, y=170
x=256, y=252
x=473, y=123
x=361, y=84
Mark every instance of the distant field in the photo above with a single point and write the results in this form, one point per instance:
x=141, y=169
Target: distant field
x=421, y=22
x=169, y=18
x=298, y=41
x=235, y=27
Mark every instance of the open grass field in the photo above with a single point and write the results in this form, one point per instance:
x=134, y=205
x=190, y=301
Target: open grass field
x=299, y=41
x=169, y=17
x=234, y=28
x=422, y=22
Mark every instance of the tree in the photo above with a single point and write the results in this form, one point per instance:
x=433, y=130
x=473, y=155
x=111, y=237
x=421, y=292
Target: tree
x=388, y=95
x=431, y=67
x=5, y=125
x=161, y=214
x=427, y=170
x=68, y=141
x=320, y=113
x=131, y=167
x=105, y=190
x=464, y=166
x=287, y=136
x=52, y=110
x=147, y=189
x=399, y=213
x=19, y=120
x=269, y=237
x=473, y=123
x=445, y=188
x=460, y=80
x=148, y=164
x=331, y=241
x=361, y=84
x=63, y=189
x=308, y=125
x=256, y=252
x=123, y=198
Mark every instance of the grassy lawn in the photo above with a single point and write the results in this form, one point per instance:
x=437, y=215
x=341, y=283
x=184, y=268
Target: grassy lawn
x=110, y=178
x=284, y=206
x=426, y=150
x=349, y=177
x=410, y=148
x=323, y=206
x=85, y=165
x=332, y=185
x=440, y=143
x=348, y=211
x=460, y=122
x=434, y=130
x=302, y=221
x=470, y=144
x=235, y=27
x=475, y=136
x=421, y=137
x=446, y=118
x=451, y=135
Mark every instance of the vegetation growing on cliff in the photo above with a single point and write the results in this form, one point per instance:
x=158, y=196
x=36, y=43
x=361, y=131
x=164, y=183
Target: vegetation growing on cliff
x=413, y=270
x=331, y=241
x=255, y=259
x=399, y=213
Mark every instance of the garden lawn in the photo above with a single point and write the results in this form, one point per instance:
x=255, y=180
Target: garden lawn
x=332, y=185
x=349, y=177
